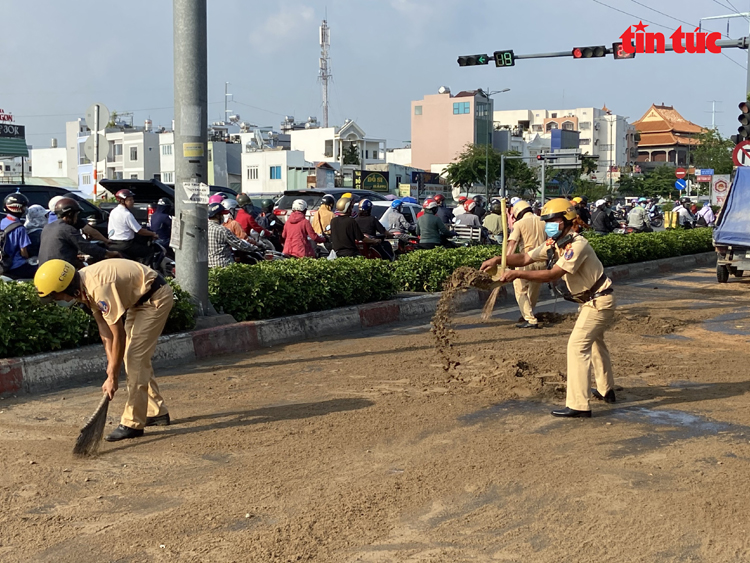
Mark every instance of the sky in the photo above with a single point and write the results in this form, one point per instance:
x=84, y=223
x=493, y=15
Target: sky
x=62, y=56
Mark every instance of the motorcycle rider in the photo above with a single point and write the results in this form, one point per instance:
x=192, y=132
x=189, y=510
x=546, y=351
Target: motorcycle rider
x=16, y=241
x=480, y=210
x=445, y=214
x=88, y=230
x=601, y=220
x=370, y=226
x=582, y=208
x=493, y=221
x=161, y=221
x=706, y=217
x=460, y=209
x=266, y=216
x=638, y=217
x=298, y=232
x=125, y=233
x=321, y=222
x=684, y=218
x=62, y=239
x=470, y=216
x=221, y=241
x=230, y=209
x=36, y=219
x=345, y=231
x=431, y=230
x=244, y=216
x=394, y=221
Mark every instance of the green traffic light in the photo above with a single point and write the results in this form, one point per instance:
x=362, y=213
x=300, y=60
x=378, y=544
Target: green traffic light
x=482, y=60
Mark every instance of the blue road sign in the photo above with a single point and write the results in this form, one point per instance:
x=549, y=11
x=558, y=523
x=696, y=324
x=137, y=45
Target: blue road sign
x=680, y=184
x=705, y=172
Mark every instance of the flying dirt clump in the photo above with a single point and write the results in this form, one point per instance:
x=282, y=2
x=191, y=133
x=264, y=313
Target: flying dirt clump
x=463, y=278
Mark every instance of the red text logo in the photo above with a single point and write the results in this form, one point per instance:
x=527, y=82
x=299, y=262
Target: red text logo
x=5, y=116
x=641, y=41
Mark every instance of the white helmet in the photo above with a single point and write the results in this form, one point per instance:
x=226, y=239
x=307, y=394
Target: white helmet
x=230, y=204
x=600, y=202
x=514, y=200
x=53, y=202
x=299, y=205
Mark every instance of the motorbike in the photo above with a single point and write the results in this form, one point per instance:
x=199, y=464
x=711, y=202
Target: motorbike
x=160, y=261
x=656, y=217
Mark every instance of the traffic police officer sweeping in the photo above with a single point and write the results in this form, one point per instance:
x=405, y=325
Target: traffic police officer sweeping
x=131, y=303
x=569, y=256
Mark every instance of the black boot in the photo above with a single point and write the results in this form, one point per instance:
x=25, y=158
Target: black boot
x=124, y=433
x=571, y=413
x=162, y=420
x=608, y=398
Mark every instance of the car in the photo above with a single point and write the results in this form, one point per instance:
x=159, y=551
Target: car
x=313, y=197
x=409, y=210
x=147, y=193
x=40, y=195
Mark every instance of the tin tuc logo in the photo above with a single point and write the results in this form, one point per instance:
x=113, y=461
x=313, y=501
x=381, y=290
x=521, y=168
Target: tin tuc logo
x=641, y=41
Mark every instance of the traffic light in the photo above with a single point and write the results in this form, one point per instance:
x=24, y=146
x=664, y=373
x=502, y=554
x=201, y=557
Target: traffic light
x=620, y=53
x=589, y=156
x=473, y=60
x=743, y=131
x=546, y=156
x=504, y=58
x=589, y=52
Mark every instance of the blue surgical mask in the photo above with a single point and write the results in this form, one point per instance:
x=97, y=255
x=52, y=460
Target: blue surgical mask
x=552, y=230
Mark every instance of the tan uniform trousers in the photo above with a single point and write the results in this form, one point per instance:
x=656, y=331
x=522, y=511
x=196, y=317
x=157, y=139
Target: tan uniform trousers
x=588, y=353
x=527, y=293
x=143, y=326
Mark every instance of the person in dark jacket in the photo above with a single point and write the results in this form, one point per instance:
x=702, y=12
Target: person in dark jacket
x=62, y=239
x=345, y=231
x=161, y=221
x=370, y=226
x=431, y=230
x=445, y=214
x=601, y=220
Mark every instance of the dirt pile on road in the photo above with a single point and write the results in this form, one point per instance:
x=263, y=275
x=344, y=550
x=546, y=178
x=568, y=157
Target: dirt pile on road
x=463, y=278
x=646, y=325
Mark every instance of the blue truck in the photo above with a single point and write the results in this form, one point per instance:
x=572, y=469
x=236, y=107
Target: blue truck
x=732, y=233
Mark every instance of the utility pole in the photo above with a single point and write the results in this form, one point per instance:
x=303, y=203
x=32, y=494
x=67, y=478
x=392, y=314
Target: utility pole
x=488, y=94
x=325, y=66
x=544, y=178
x=713, y=112
x=191, y=115
x=226, y=102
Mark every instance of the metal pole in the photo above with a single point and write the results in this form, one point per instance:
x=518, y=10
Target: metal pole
x=23, y=178
x=544, y=177
x=95, y=133
x=487, y=154
x=611, y=153
x=191, y=113
x=502, y=175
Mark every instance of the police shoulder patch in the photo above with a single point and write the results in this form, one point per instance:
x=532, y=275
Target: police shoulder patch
x=568, y=253
x=103, y=307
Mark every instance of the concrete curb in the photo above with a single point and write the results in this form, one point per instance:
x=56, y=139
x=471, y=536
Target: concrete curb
x=44, y=372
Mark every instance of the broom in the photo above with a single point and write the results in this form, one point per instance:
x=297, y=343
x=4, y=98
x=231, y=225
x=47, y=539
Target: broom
x=90, y=437
x=495, y=272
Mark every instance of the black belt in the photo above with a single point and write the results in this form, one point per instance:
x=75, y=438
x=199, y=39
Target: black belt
x=157, y=284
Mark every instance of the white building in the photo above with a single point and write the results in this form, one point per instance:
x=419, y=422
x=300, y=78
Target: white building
x=400, y=156
x=329, y=144
x=271, y=171
x=51, y=162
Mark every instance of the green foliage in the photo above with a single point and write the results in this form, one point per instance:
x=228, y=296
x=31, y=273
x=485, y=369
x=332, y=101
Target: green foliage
x=28, y=327
x=591, y=190
x=520, y=178
x=427, y=270
x=470, y=167
x=614, y=249
x=714, y=151
x=290, y=287
x=351, y=154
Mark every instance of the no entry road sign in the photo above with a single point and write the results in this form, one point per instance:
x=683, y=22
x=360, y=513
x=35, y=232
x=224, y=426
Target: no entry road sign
x=741, y=154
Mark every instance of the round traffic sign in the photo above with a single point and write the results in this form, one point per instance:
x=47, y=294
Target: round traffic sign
x=741, y=154
x=103, y=116
x=680, y=173
x=680, y=184
x=88, y=147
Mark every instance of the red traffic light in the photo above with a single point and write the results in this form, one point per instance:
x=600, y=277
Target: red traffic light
x=589, y=52
x=744, y=108
x=577, y=53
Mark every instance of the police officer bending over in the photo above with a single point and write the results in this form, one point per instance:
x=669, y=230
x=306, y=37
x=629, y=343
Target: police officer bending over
x=570, y=256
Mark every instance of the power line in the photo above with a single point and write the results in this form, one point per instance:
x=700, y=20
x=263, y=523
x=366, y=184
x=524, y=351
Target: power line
x=665, y=15
x=735, y=9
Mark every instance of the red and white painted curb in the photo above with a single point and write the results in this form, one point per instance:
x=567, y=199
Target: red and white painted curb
x=43, y=372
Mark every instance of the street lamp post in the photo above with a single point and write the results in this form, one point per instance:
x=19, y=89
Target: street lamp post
x=487, y=95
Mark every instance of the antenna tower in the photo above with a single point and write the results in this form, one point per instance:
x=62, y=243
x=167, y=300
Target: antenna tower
x=325, y=66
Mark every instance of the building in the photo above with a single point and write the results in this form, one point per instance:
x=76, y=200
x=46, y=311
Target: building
x=442, y=125
x=224, y=163
x=331, y=144
x=666, y=136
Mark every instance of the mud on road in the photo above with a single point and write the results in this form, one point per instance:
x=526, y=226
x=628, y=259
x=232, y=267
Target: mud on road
x=367, y=450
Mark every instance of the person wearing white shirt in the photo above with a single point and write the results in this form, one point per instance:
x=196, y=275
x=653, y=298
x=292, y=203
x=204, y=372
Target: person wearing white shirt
x=125, y=233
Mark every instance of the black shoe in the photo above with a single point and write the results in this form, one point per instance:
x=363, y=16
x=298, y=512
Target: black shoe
x=527, y=325
x=571, y=413
x=162, y=420
x=124, y=433
x=608, y=398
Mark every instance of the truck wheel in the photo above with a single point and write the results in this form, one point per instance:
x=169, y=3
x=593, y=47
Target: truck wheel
x=738, y=273
x=722, y=274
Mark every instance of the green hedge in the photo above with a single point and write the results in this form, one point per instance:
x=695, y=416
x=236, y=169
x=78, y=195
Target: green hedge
x=288, y=287
x=28, y=327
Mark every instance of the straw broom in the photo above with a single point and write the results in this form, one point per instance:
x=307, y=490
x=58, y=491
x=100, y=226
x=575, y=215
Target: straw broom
x=494, y=272
x=91, y=434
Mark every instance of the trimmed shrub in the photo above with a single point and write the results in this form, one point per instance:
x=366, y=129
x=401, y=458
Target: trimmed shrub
x=289, y=287
x=182, y=315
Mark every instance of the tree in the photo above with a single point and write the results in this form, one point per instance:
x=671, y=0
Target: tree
x=714, y=151
x=351, y=154
x=469, y=168
x=632, y=185
x=591, y=190
x=659, y=182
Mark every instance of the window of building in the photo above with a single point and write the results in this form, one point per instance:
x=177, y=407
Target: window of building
x=133, y=153
x=460, y=108
x=482, y=109
x=584, y=125
x=551, y=125
x=59, y=164
x=328, y=148
x=537, y=128
x=167, y=177
x=118, y=175
x=252, y=173
x=367, y=154
x=568, y=126
x=134, y=176
x=86, y=179
x=582, y=142
x=417, y=110
x=166, y=150
x=118, y=149
x=275, y=172
x=554, y=115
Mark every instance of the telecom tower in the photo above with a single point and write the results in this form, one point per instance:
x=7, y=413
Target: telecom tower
x=325, y=70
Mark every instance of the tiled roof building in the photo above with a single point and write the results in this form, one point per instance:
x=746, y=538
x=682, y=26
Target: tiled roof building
x=666, y=136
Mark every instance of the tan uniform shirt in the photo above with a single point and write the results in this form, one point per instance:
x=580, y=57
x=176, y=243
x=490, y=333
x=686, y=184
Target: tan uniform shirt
x=113, y=286
x=581, y=264
x=322, y=220
x=528, y=232
x=493, y=223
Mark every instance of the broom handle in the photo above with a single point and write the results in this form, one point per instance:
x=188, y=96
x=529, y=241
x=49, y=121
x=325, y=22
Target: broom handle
x=505, y=235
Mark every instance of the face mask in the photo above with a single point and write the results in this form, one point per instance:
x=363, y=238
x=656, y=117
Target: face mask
x=64, y=303
x=552, y=230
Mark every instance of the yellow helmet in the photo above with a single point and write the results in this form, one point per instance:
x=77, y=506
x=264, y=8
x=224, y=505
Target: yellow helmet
x=558, y=208
x=347, y=194
x=520, y=206
x=54, y=276
x=577, y=200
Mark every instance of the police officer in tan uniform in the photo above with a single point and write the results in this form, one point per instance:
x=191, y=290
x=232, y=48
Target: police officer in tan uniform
x=528, y=234
x=131, y=303
x=569, y=256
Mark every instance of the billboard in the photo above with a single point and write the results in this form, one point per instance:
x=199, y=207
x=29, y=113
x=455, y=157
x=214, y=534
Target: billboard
x=719, y=189
x=370, y=180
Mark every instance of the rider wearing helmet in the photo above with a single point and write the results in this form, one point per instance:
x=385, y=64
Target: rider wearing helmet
x=244, y=216
x=51, y=218
x=221, y=241
x=685, y=219
x=370, y=226
x=493, y=221
x=161, y=221
x=345, y=231
x=217, y=198
x=459, y=209
x=469, y=218
x=62, y=239
x=231, y=206
x=125, y=233
x=15, y=243
x=321, y=222
x=569, y=256
x=528, y=234
x=444, y=213
x=298, y=231
x=117, y=291
x=394, y=220
x=638, y=217
x=480, y=210
x=602, y=220
x=581, y=204
x=431, y=230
